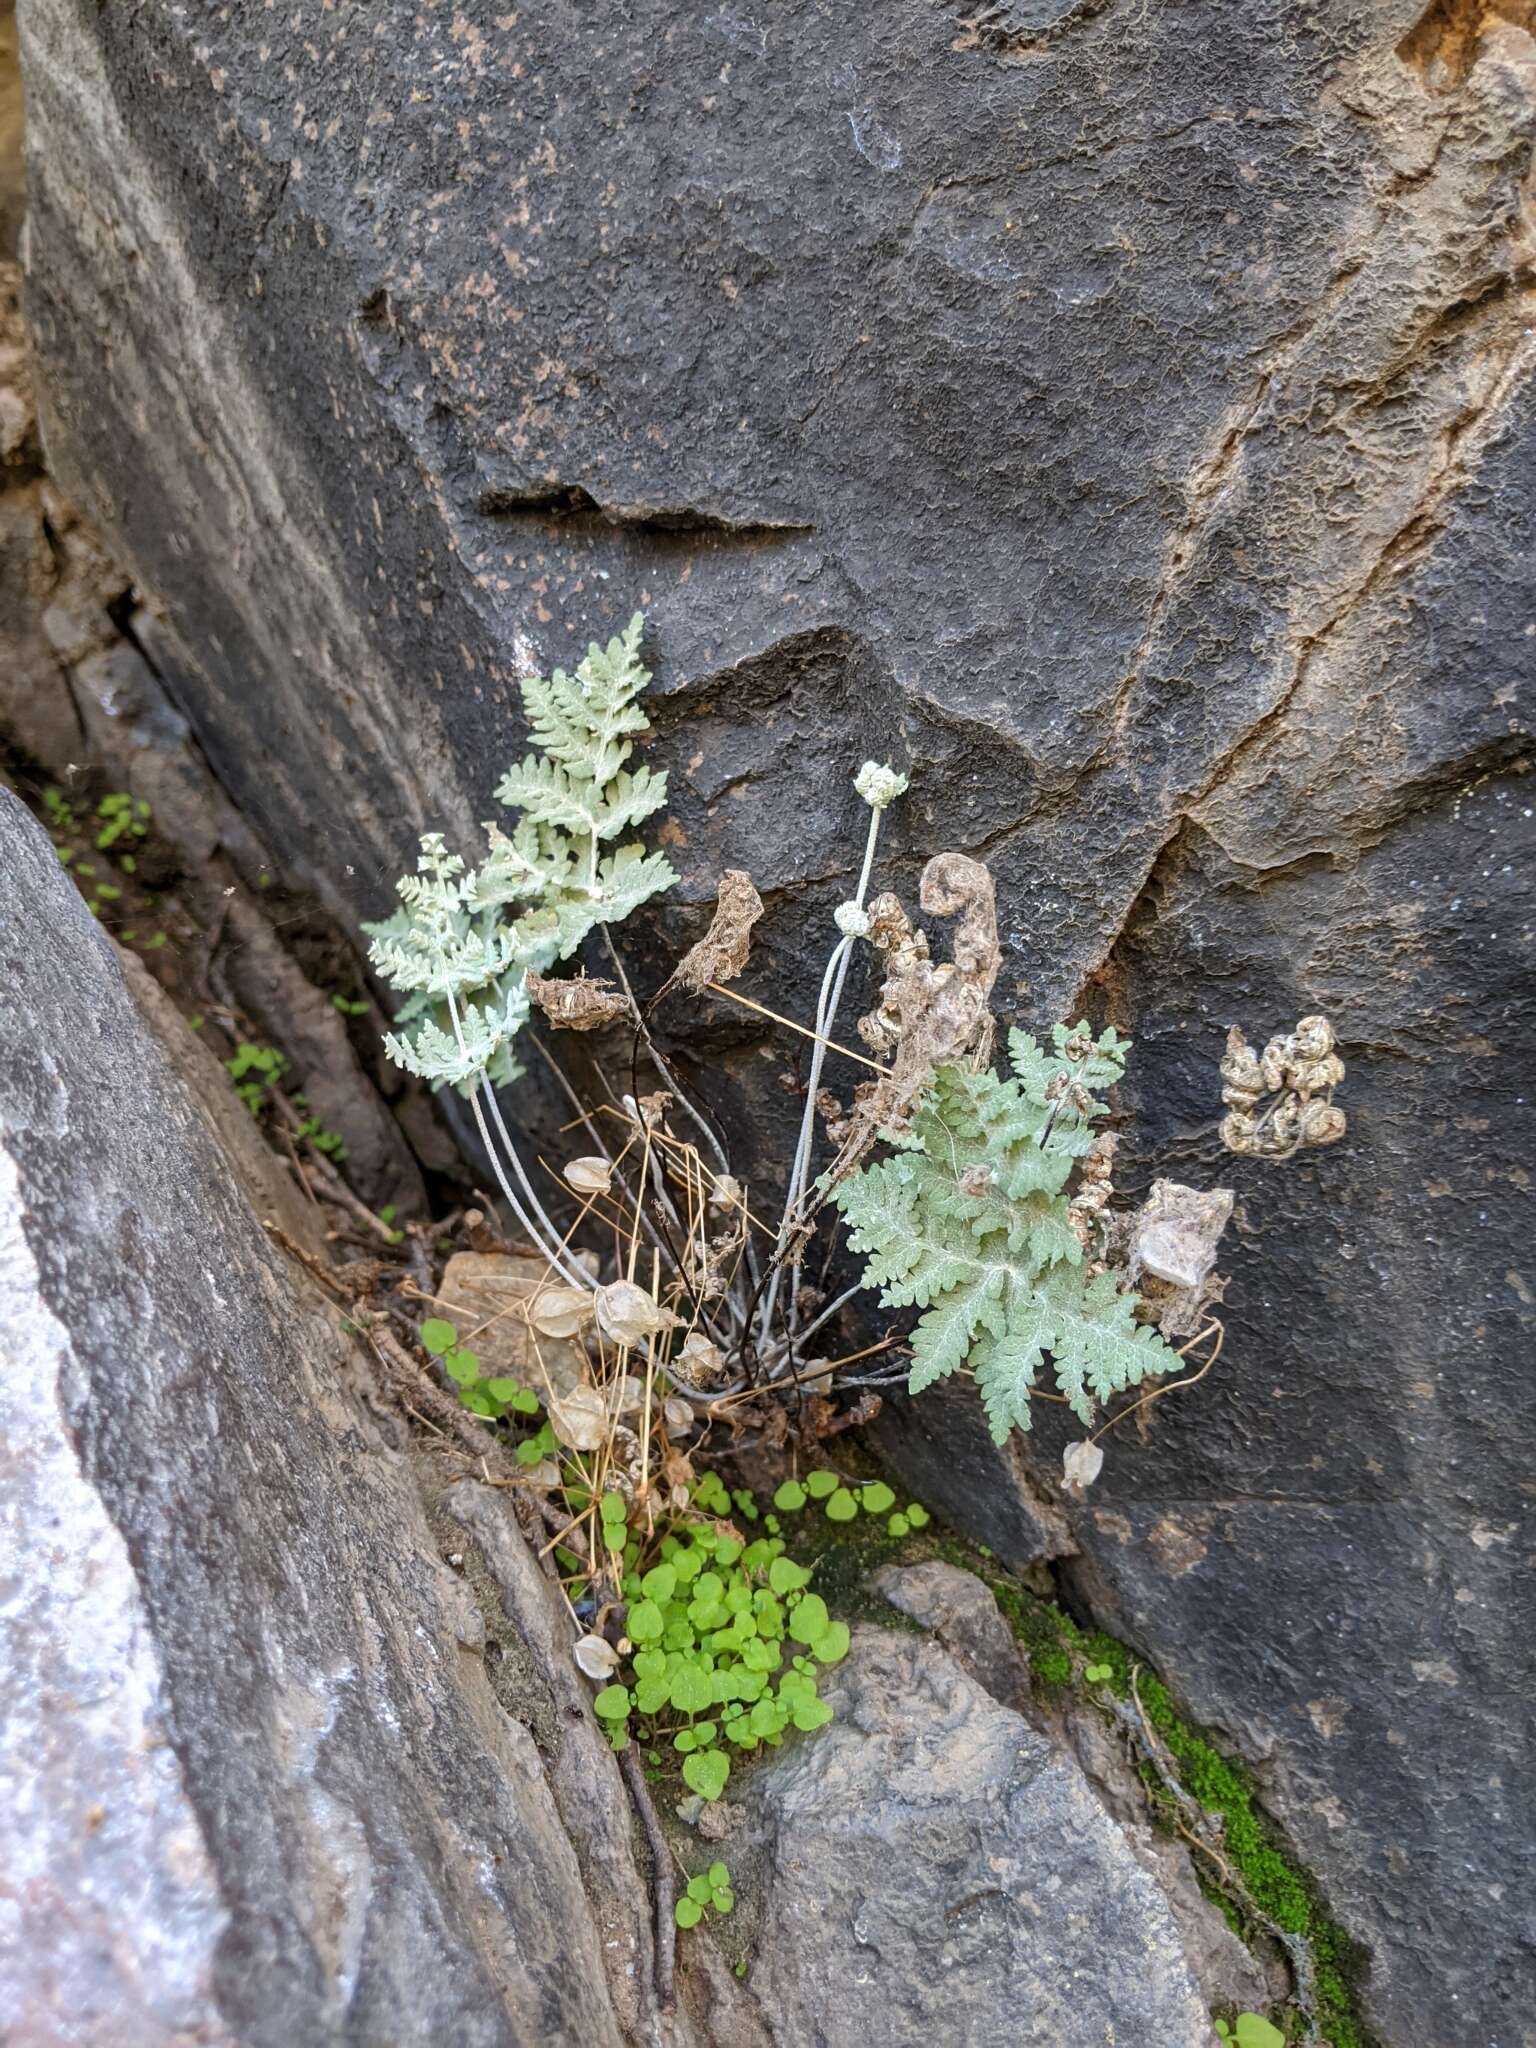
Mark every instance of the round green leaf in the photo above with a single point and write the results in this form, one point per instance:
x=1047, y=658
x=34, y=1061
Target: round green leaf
x=700, y=1888
x=810, y=1713
x=438, y=1336
x=652, y=1694
x=918, y=1515
x=877, y=1499
x=841, y=1506
x=706, y=1771
x=462, y=1366
x=719, y=1875
x=898, y=1525
x=790, y=1496
x=819, y=1484
x=687, y=1912
x=612, y=1703
x=660, y=1583
x=723, y=1899
x=809, y=1622
x=831, y=1647
x=785, y=1576
x=1254, y=2031
x=613, y=1508
x=645, y=1622
x=690, y=1689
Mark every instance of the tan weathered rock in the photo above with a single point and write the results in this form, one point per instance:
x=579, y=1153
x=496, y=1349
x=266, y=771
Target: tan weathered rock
x=486, y=1296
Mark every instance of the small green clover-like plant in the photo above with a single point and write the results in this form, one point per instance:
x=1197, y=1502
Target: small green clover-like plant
x=120, y=816
x=709, y=1889
x=1251, y=2030
x=726, y=1642
x=1097, y=1673
x=256, y=1071
x=310, y=1129
x=464, y=939
x=841, y=1503
x=969, y=1221
x=493, y=1395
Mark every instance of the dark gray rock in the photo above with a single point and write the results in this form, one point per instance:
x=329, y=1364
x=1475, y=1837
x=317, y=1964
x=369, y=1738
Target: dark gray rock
x=1116, y=412
x=931, y=1869
x=256, y=1787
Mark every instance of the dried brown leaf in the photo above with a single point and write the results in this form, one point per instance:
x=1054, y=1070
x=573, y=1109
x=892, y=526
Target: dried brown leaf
x=725, y=948
x=579, y=1003
x=928, y=1012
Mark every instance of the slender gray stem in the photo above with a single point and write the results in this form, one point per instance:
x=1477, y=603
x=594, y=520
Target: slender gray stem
x=828, y=1002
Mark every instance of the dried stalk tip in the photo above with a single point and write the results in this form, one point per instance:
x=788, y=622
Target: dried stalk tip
x=1299, y=1073
x=579, y=1003
x=724, y=949
x=927, y=1014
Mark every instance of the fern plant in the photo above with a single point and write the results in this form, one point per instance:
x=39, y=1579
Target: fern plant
x=459, y=949
x=969, y=1220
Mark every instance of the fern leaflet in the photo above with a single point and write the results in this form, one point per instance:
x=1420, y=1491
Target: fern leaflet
x=970, y=1223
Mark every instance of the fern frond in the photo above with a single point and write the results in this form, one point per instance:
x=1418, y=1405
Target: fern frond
x=577, y=799
x=583, y=722
x=972, y=1225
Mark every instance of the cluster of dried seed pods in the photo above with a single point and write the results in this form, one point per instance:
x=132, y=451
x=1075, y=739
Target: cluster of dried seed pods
x=1281, y=1099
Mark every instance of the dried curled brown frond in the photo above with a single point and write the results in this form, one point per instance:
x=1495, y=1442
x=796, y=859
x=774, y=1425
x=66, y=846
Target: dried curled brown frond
x=1299, y=1072
x=725, y=948
x=927, y=1012
x=581, y=1003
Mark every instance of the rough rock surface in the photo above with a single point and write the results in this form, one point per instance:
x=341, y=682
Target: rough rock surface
x=1122, y=414
x=961, y=1614
x=254, y=1789
x=963, y=1617
x=933, y=1870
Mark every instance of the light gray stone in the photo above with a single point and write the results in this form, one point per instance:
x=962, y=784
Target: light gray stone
x=254, y=1790
x=962, y=1614
x=933, y=1870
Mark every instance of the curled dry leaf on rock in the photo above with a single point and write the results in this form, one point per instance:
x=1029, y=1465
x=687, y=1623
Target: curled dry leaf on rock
x=581, y=1003
x=725, y=948
x=927, y=1013
x=1298, y=1071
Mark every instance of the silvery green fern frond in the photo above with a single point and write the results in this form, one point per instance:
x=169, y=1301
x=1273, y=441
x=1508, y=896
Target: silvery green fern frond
x=448, y=948
x=969, y=1221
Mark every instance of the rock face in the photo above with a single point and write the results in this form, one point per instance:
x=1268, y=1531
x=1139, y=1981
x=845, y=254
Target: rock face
x=256, y=1788
x=1116, y=413
x=936, y=1872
